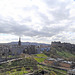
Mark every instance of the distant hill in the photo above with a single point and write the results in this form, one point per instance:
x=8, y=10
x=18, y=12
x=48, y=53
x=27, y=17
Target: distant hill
x=29, y=43
x=63, y=49
x=59, y=49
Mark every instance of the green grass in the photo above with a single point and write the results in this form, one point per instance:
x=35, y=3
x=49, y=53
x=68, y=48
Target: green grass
x=40, y=59
x=14, y=73
x=10, y=56
x=18, y=73
x=41, y=55
x=22, y=72
x=64, y=53
x=58, y=71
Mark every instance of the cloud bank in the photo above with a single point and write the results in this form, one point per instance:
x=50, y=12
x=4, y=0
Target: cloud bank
x=38, y=20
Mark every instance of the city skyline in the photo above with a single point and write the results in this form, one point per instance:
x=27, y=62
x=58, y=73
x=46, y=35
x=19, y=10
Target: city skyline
x=41, y=21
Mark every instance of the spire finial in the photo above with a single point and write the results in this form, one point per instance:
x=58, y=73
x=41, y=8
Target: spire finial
x=19, y=43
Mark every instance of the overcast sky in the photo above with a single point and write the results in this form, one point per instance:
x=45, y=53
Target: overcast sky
x=37, y=20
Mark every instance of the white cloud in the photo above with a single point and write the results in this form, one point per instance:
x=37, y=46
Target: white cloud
x=37, y=20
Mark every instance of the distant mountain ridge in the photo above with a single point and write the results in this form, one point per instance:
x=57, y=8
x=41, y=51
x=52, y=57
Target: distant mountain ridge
x=28, y=43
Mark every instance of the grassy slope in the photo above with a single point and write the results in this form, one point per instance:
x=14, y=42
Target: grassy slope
x=58, y=72
x=61, y=52
x=14, y=72
x=64, y=53
x=41, y=55
x=40, y=59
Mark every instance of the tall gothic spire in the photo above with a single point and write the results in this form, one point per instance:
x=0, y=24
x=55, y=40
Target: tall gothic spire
x=19, y=43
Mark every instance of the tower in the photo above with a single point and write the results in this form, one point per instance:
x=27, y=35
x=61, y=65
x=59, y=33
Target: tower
x=19, y=43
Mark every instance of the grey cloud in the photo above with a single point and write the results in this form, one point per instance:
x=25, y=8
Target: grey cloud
x=30, y=8
x=56, y=3
x=61, y=12
x=51, y=3
x=54, y=30
x=27, y=19
x=17, y=29
x=13, y=27
x=44, y=18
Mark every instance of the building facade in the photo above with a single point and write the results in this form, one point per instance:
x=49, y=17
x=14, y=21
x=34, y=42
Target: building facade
x=17, y=49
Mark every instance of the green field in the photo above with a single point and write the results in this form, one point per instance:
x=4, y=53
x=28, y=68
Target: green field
x=40, y=59
x=41, y=55
x=57, y=71
x=64, y=53
x=15, y=72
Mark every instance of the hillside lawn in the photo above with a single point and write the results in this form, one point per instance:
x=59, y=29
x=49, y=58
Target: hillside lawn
x=41, y=55
x=40, y=59
x=64, y=54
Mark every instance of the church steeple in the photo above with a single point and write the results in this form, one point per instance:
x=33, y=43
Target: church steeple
x=19, y=43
